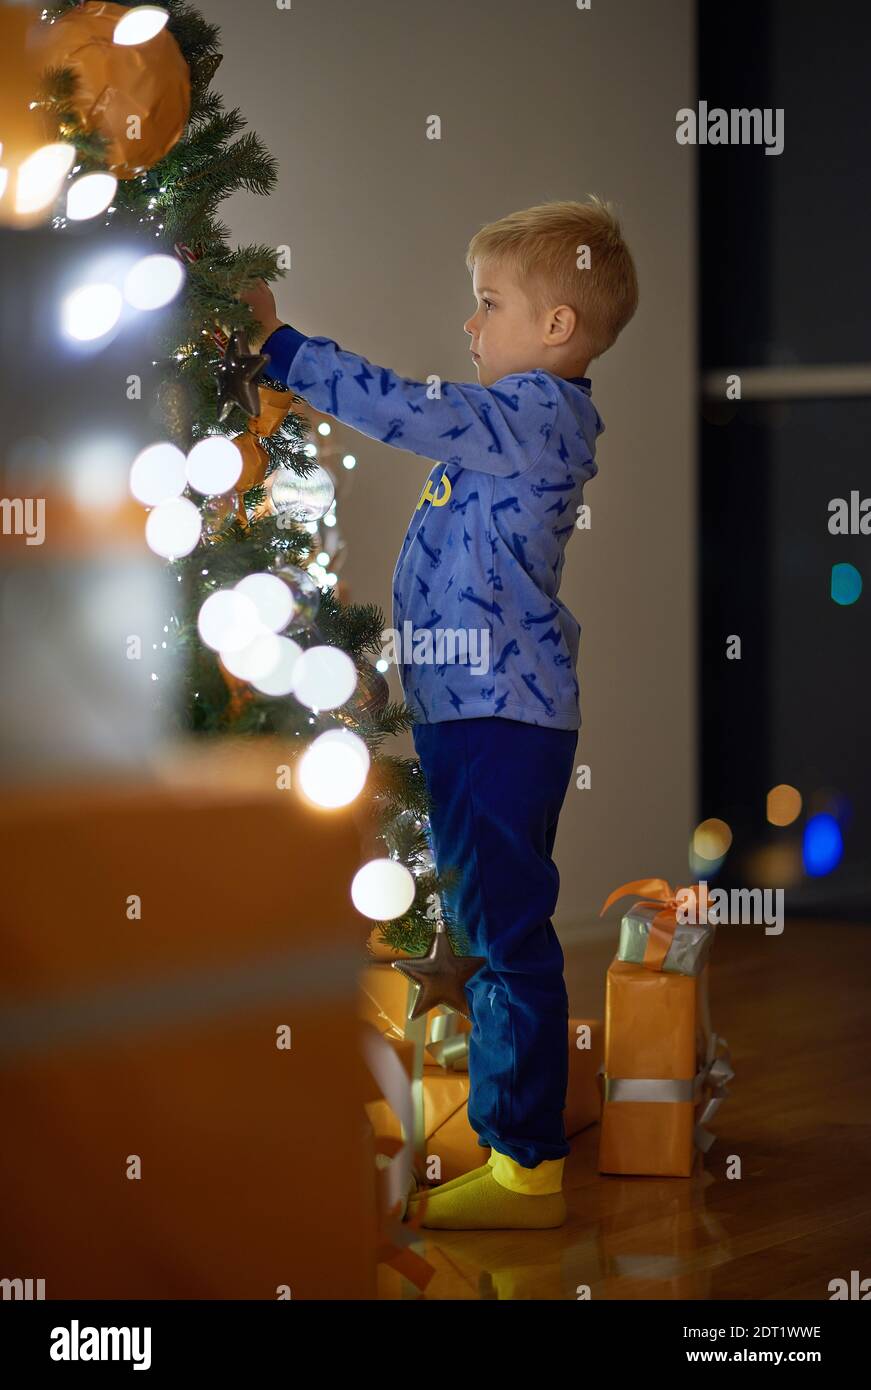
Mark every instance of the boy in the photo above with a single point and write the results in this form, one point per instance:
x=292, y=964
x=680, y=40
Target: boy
x=481, y=562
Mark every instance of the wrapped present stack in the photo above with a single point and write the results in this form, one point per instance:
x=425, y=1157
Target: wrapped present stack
x=665, y=1070
x=435, y=1052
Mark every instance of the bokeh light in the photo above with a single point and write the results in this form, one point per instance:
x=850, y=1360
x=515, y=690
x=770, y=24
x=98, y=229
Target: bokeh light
x=40, y=176
x=173, y=528
x=256, y=660
x=324, y=678
x=775, y=866
x=822, y=845
x=334, y=767
x=90, y=195
x=214, y=465
x=711, y=839
x=153, y=281
x=846, y=584
x=382, y=889
x=271, y=597
x=783, y=804
x=157, y=473
x=279, y=681
x=91, y=311
x=228, y=621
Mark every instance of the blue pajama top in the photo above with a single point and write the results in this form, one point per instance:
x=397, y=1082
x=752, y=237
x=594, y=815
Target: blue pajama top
x=480, y=631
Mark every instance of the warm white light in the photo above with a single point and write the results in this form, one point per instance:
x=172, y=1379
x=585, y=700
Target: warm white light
x=711, y=839
x=140, y=25
x=91, y=311
x=214, y=465
x=158, y=473
x=153, y=281
x=382, y=665
x=41, y=175
x=173, y=528
x=324, y=677
x=323, y=427
x=90, y=195
x=333, y=769
x=256, y=660
x=280, y=679
x=323, y=558
x=228, y=621
x=349, y=461
x=271, y=597
x=382, y=889
x=311, y=450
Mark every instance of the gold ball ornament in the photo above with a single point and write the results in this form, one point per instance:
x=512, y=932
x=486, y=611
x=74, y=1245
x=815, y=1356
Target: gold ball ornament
x=136, y=95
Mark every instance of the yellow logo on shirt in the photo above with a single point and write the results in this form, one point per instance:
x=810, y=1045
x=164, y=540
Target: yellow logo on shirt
x=438, y=499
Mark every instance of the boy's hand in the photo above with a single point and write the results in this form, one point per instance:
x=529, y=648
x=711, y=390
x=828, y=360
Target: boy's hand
x=262, y=302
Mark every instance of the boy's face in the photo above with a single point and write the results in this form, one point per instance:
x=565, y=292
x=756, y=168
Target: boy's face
x=505, y=337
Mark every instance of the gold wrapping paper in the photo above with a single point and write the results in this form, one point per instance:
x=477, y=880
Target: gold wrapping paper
x=255, y=461
x=664, y=1074
x=384, y=1003
x=274, y=408
x=441, y=1122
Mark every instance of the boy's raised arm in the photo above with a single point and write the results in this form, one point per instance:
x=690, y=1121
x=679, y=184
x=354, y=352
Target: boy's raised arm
x=500, y=430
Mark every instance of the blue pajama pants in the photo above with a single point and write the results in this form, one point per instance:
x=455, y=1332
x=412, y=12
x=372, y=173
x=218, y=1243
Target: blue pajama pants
x=497, y=788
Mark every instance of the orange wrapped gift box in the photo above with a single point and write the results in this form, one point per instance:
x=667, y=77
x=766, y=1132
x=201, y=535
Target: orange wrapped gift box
x=444, y=1132
x=665, y=1070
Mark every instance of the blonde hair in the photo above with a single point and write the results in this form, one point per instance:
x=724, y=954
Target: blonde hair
x=542, y=246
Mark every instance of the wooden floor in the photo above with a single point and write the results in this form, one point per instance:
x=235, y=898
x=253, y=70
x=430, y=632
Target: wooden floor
x=795, y=1010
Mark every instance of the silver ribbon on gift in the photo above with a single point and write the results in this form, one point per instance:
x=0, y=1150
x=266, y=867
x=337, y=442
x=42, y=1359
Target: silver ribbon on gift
x=713, y=1075
x=447, y=1045
x=450, y=1050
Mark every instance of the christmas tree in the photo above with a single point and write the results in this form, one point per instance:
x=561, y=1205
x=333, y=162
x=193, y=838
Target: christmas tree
x=173, y=205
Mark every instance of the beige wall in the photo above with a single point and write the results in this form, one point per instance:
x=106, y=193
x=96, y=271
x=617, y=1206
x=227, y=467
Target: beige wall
x=537, y=101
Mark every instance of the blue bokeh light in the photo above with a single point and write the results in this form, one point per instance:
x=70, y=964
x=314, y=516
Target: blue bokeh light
x=846, y=584
x=822, y=845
